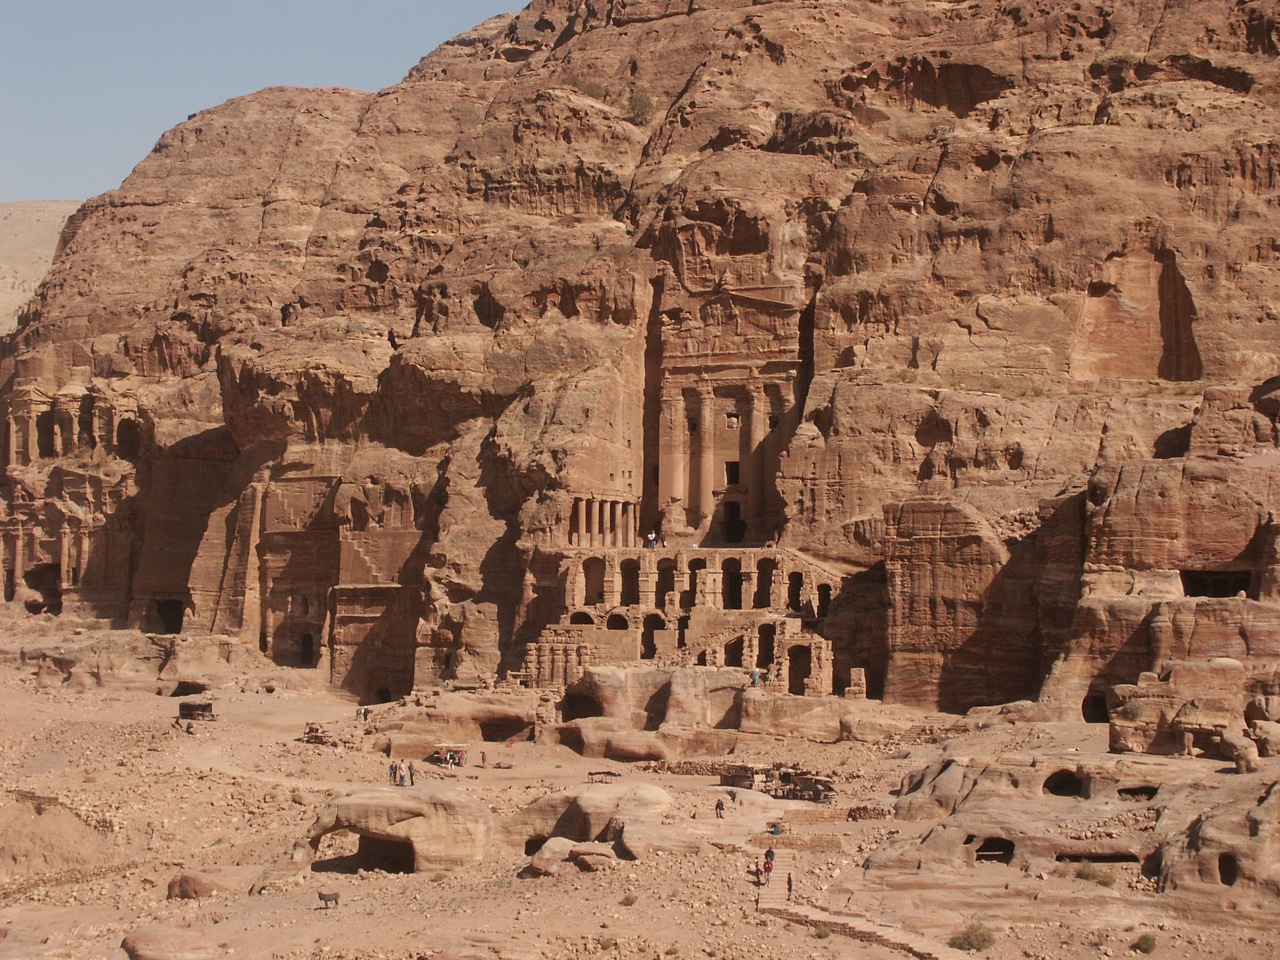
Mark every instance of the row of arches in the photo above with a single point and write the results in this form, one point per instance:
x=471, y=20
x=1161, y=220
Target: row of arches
x=736, y=592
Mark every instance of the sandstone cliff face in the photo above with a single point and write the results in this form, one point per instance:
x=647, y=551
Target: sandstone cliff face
x=968, y=309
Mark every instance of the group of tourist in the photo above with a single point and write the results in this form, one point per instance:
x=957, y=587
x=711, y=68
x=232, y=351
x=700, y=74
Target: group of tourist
x=401, y=772
x=651, y=540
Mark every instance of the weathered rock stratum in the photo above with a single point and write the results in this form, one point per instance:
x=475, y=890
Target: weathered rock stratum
x=932, y=343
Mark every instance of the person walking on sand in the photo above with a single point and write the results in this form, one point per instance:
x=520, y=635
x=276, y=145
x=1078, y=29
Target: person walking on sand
x=720, y=808
x=789, y=887
x=411, y=773
x=768, y=871
x=402, y=772
x=391, y=769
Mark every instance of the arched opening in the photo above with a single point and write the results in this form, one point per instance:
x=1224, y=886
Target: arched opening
x=581, y=618
x=46, y=580
x=795, y=587
x=578, y=706
x=593, y=581
x=763, y=598
x=996, y=850
x=389, y=856
x=735, y=529
x=824, y=599
x=307, y=650
x=1064, y=783
x=690, y=598
x=383, y=695
x=170, y=614
x=128, y=439
x=733, y=652
x=1228, y=869
x=799, y=666
x=84, y=425
x=666, y=582
x=1094, y=708
x=731, y=584
x=500, y=729
x=44, y=435
x=616, y=621
x=1138, y=794
x=701, y=661
x=764, y=645
x=648, y=642
x=630, y=583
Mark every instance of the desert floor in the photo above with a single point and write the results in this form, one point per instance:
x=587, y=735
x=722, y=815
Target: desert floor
x=107, y=801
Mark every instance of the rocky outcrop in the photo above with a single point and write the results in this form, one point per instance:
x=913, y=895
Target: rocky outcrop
x=401, y=830
x=931, y=349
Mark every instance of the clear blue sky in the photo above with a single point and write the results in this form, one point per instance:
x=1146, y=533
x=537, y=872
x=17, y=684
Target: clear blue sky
x=88, y=86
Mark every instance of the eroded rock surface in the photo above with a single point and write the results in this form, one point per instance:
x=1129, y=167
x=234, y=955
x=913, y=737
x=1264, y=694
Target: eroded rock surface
x=930, y=346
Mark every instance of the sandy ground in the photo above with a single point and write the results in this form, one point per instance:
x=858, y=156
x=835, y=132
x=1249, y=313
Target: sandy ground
x=107, y=801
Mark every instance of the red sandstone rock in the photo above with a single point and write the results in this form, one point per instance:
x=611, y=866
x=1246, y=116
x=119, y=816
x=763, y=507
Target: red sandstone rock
x=969, y=312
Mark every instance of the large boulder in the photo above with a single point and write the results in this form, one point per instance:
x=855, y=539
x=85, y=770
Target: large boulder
x=431, y=828
x=162, y=941
x=588, y=813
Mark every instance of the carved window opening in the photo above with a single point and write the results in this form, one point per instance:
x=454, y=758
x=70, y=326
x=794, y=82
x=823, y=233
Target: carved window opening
x=170, y=614
x=666, y=582
x=581, y=619
x=764, y=584
x=996, y=850
x=44, y=435
x=1064, y=783
x=799, y=668
x=307, y=650
x=824, y=599
x=630, y=583
x=593, y=580
x=1228, y=869
x=733, y=652
x=795, y=588
x=45, y=579
x=1218, y=583
x=735, y=529
x=690, y=598
x=731, y=585
x=649, y=642
x=579, y=706
x=732, y=473
x=128, y=439
x=389, y=856
x=764, y=645
x=616, y=621
x=1094, y=708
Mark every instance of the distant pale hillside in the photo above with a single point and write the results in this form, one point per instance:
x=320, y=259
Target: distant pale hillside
x=28, y=236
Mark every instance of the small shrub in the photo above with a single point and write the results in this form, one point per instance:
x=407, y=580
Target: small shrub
x=629, y=900
x=640, y=107
x=1145, y=944
x=974, y=937
x=607, y=943
x=592, y=88
x=1091, y=872
x=822, y=932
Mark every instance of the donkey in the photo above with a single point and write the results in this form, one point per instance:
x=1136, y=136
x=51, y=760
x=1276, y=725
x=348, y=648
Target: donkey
x=328, y=899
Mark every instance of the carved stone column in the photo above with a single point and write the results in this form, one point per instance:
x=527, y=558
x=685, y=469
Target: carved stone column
x=753, y=469
x=672, y=429
x=706, y=453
